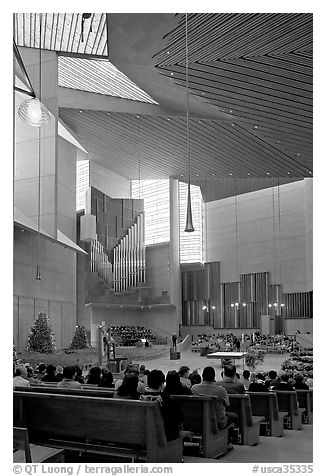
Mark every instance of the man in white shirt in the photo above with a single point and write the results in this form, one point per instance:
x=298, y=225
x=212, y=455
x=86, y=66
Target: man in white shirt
x=20, y=379
x=68, y=381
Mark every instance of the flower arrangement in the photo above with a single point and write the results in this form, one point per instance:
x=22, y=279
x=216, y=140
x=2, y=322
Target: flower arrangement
x=254, y=357
x=299, y=362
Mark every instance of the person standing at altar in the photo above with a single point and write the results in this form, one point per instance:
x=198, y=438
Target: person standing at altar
x=174, y=342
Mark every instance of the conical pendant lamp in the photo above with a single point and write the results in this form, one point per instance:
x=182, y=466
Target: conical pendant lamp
x=189, y=225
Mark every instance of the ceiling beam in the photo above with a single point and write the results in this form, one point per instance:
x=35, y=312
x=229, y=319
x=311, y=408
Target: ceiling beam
x=84, y=100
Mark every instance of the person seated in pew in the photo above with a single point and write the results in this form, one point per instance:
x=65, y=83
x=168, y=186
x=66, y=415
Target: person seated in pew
x=171, y=411
x=59, y=372
x=94, y=376
x=309, y=382
x=300, y=383
x=259, y=384
x=131, y=369
x=30, y=377
x=283, y=384
x=184, y=373
x=79, y=375
x=128, y=388
x=106, y=379
x=272, y=379
x=230, y=382
x=50, y=374
x=20, y=377
x=209, y=386
x=142, y=377
x=68, y=381
x=173, y=385
x=194, y=378
x=245, y=380
x=41, y=370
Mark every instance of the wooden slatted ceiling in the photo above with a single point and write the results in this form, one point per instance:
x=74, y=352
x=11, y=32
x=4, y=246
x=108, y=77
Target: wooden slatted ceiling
x=98, y=76
x=114, y=140
x=62, y=32
x=259, y=66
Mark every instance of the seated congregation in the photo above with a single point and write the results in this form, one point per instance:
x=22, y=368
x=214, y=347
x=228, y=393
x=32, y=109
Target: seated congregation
x=181, y=411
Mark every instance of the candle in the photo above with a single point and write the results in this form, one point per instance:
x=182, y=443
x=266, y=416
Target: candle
x=242, y=338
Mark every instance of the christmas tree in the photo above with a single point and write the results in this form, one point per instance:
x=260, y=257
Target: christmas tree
x=79, y=341
x=41, y=336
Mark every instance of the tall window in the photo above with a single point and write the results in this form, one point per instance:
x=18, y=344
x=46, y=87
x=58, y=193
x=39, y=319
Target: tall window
x=82, y=182
x=156, y=206
x=191, y=244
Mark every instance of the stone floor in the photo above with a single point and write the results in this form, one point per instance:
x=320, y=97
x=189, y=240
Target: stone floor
x=195, y=361
x=294, y=447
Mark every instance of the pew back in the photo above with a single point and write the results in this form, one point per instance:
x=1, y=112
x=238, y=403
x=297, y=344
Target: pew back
x=305, y=399
x=198, y=412
x=249, y=425
x=82, y=418
x=287, y=402
x=199, y=417
x=240, y=404
x=264, y=404
x=90, y=392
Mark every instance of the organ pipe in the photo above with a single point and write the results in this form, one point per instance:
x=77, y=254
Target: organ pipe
x=129, y=257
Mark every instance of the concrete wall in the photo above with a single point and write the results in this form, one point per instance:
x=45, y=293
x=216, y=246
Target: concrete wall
x=288, y=257
x=66, y=185
x=303, y=325
x=209, y=330
x=27, y=145
x=55, y=294
x=309, y=230
x=108, y=182
x=174, y=252
x=157, y=268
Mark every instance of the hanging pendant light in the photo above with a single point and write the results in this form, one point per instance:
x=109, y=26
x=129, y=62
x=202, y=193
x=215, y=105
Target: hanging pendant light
x=32, y=110
x=38, y=273
x=189, y=225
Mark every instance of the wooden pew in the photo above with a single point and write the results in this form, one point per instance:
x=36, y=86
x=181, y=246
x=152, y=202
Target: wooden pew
x=287, y=402
x=199, y=416
x=123, y=428
x=305, y=400
x=265, y=404
x=27, y=453
x=90, y=392
x=249, y=425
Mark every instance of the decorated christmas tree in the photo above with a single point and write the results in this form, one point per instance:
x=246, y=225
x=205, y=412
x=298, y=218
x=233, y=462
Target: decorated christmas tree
x=41, y=336
x=79, y=341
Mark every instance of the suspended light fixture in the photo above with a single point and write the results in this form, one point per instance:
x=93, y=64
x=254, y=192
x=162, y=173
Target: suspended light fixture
x=85, y=16
x=189, y=225
x=32, y=110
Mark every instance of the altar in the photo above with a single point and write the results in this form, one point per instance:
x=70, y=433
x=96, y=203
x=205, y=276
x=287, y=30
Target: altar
x=228, y=355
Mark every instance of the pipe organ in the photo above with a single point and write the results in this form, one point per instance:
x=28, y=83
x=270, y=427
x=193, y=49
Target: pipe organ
x=100, y=263
x=129, y=257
